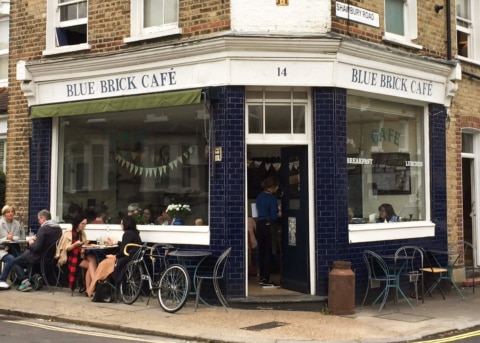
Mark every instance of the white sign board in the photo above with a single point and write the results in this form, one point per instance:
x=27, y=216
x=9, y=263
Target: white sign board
x=357, y=14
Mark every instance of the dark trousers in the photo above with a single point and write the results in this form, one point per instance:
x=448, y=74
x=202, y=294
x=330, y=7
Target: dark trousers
x=119, y=270
x=264, y=241
x=19, y=265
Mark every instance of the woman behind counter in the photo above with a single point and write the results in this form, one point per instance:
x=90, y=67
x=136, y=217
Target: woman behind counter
x=386, y=214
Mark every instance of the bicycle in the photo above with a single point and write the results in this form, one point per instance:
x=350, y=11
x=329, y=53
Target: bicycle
x=171, y=283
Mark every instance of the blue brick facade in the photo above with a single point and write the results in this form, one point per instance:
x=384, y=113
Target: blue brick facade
x=227, y=185
x=40, y=168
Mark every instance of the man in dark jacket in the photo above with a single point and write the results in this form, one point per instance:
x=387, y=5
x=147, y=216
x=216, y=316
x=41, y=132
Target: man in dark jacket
x=48, y=233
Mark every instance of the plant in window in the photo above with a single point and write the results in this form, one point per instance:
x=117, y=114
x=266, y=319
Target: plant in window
x=178, y=210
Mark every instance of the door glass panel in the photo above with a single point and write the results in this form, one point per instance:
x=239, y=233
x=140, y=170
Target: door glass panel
x=294, y=182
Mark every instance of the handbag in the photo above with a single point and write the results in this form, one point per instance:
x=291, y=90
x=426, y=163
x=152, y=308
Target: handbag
x=104, y=292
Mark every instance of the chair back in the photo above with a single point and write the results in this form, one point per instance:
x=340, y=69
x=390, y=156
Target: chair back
x=415, y=264
x=377, y=269
x=219, y=269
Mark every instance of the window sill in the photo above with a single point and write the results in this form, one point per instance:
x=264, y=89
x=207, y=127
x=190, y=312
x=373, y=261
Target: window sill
x=360, y=233
x=158, y=34
x=468, y=60
x=66, y=49
x=404, y=43
x=172, y=234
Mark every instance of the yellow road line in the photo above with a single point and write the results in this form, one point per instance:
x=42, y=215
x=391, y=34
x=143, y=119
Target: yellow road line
x=453, y=338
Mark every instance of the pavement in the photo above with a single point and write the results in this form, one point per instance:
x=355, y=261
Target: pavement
x=261, y=323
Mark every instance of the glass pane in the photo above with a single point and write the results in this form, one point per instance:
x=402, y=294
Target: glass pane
x=4, y=34
x=300, y=95
x=385, y=159
x=299, y=119
x=277, y=94
x=394, y=16
x=153, y=13
x=68, y=12
x=254, y=95
x=153, y=158
x=171, y=11
x=255, y=118
x=82, y=10
x=277, y=119
x=463, y=9
x=3, y=66
x=467, y=143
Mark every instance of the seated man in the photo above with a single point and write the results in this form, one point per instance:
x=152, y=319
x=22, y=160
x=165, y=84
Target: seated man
x=47, y=234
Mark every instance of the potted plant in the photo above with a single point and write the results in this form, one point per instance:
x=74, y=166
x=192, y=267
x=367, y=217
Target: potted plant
x=178, y=212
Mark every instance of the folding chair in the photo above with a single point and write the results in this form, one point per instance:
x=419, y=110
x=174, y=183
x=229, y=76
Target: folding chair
x=217, y=274
x=469, y=263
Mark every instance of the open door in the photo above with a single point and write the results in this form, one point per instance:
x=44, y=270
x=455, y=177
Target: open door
x=295, y=207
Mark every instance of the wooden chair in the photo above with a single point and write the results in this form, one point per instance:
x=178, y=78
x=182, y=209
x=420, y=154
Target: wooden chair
x=217, y=274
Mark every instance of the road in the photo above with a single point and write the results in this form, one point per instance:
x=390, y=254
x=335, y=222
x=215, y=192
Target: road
x=471, y=335
x=20, y=330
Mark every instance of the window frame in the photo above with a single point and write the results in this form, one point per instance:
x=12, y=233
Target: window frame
x=53, y=22
x=138, y=32
x=4, y=53
x=410, y=26
x=472, y=31
x=371, y=232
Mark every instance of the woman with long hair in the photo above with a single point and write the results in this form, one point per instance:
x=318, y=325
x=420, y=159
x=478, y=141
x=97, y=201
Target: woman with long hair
x=69, y=250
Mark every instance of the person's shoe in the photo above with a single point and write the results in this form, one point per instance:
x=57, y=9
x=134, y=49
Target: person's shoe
x=25, y=286
x=37, y=282
x=262, y=281
x=269, y=284
x=4, y=285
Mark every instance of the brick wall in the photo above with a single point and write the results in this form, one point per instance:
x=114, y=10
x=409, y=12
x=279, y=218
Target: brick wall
x=109, y=24
x=431, y=27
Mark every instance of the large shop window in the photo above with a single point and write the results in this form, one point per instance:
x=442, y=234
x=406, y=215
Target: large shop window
x=153, y=158
x=153, y=18
x=385, y=162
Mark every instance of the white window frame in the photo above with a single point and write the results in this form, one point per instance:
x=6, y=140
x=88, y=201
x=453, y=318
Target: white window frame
x=138, y=32
x=410, y=26
x=53, y=21
x=473, y=32
x=4, y=53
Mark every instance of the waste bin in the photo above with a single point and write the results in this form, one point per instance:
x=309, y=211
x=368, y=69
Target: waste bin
x=341, y=288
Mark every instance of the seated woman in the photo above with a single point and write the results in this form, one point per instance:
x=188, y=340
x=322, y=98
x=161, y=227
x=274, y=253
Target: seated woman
x=116, y=263
x=386, y=214
x=70, y=249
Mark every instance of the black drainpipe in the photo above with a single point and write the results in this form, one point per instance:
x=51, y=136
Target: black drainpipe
x=449, y=31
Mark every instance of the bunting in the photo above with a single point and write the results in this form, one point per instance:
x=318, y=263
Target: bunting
x=123, y=161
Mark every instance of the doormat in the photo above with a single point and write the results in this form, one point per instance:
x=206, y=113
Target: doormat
x=403, y=317
x=264, y=326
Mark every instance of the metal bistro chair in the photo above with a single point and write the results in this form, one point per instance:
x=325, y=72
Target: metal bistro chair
x=378, y=273
x=413, y=266
x=217, y=274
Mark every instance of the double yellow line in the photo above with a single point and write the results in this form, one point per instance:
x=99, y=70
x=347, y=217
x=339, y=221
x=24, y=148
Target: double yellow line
x=453, y=338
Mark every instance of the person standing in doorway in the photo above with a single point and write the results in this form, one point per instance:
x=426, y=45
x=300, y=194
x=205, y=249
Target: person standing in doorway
x=268, y=215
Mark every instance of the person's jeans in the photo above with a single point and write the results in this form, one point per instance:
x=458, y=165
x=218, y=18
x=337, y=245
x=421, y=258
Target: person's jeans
x=7, y=266
x=19, y=264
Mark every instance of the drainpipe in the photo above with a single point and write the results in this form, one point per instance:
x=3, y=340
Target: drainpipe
x=449, y=30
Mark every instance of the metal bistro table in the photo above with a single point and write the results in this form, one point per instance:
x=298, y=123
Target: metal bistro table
x=191, y=260
x=100, y=251
x=17, y=247
x=400, y=262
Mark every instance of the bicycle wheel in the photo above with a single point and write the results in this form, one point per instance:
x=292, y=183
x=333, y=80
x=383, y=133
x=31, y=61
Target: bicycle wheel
x=131, y=283
x=174, y=288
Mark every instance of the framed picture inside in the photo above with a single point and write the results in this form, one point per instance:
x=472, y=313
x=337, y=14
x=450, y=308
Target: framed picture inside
x=390, y=173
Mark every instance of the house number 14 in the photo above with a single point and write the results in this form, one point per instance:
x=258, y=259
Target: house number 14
x=281, y=71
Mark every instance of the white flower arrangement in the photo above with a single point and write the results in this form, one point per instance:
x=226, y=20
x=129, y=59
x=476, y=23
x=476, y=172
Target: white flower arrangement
x=178, y=210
